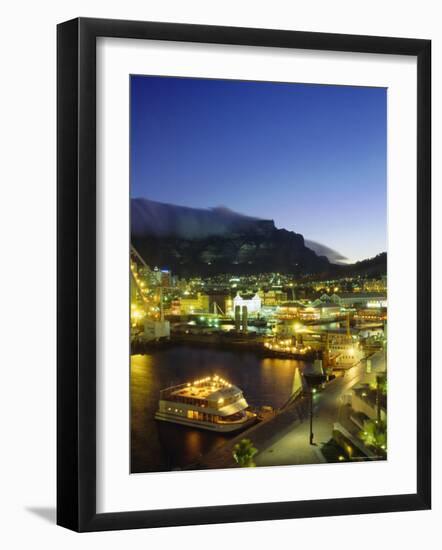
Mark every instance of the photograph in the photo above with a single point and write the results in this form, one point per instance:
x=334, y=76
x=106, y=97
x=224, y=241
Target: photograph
x=258, y=273
x=226, y=216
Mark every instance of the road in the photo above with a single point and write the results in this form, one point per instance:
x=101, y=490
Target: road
x=293, y=447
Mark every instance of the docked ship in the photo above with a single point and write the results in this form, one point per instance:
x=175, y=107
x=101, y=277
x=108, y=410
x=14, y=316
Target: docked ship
x=344, y=352
x=210, y=404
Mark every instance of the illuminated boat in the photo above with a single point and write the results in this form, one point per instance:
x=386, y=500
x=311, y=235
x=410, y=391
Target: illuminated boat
x=210, y=404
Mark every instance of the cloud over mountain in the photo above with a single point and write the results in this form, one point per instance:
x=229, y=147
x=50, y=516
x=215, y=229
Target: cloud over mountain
x=194, y=241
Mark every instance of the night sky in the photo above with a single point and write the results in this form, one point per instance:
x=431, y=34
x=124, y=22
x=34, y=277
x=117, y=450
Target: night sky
x=310, y=157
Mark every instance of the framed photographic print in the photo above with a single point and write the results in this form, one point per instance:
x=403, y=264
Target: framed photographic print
x=243, y=274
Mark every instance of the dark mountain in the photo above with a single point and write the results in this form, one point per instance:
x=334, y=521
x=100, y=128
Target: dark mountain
x=193, y=242
x=372, y=267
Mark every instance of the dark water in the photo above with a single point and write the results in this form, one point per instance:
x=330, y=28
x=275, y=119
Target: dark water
x=159, y=446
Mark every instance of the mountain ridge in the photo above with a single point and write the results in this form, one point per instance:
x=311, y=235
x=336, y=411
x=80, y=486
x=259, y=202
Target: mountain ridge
x=203, y=242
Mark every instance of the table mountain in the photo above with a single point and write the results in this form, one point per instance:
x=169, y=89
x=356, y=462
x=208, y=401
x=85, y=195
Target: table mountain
x=192, y=242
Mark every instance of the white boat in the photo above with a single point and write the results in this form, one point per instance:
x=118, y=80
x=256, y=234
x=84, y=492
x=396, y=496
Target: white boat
x=210, y=404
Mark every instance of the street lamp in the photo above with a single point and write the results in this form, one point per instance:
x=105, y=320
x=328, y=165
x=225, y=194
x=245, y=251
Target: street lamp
x=312, y=393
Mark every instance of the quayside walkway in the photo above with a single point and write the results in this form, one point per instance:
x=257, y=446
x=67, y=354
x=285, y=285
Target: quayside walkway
x=262, y=435
x=285, y=438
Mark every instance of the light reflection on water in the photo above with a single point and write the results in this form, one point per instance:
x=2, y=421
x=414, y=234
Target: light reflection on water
x=159, y=446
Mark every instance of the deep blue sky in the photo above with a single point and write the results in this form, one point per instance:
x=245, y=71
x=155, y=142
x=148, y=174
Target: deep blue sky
x=310, y=157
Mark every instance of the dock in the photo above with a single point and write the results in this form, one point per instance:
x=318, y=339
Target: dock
x=215, y=341
x=262, y=435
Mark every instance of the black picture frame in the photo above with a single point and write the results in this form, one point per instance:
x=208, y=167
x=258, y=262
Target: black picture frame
x=76, y=274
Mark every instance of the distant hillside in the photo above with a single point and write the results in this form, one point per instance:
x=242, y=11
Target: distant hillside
x=372, y=267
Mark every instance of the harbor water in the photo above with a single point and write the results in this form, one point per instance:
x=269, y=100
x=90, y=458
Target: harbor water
x=161, y=446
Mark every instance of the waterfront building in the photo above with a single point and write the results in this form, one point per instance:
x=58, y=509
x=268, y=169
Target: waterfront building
x=272, y=297
x=309, y=313
x=175, y=307
x=191, y=304
x=252, y=304
x=373, y=314
x=328, y=310
x=348, y=299
x=320, y=311
x=289, y=310
x=367, y=299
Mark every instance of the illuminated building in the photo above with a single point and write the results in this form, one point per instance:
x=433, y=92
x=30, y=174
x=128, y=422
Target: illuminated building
x=368, y=299
x=137, y=315
x=376, y=285
x=272, y=297
x=194, y=304
x=371, y=314
x=310, y=313
x=329, y=311
x=156, y=275
x=175, y=307
x=319, y=312
x=253, y=304
x=165, y=278
x=289, y=310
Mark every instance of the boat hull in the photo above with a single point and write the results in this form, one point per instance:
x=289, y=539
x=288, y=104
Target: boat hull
x=227, y=427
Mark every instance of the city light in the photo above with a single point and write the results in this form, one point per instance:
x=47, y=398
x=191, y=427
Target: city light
x=258, y=314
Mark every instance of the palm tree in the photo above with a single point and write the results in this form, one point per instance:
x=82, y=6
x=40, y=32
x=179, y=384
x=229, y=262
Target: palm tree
x=243, y=453
x=374, y=434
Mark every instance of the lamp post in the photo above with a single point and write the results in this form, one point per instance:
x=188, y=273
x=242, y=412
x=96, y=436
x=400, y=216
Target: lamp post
x=312, y=393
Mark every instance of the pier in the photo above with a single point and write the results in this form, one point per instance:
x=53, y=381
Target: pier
x=222, y=342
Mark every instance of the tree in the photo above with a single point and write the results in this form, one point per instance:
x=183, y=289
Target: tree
x=243, y=453
x=374, y=434
x=380, y=384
